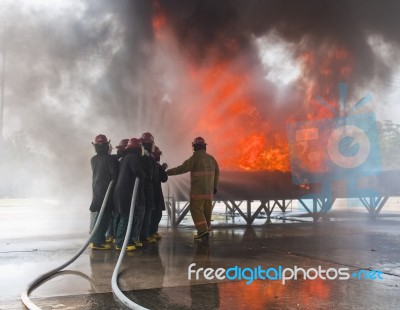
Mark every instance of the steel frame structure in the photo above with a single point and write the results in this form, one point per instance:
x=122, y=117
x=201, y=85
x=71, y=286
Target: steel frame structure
x=320, y=206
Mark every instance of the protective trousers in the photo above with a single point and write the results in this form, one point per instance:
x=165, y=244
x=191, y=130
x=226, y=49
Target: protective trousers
x=123, y=220
x=100, y=235
x=201, y=210
x=156, y=216
x=148, y=208
x=121, y=224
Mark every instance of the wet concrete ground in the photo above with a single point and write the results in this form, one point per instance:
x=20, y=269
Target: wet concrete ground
x=39, y=236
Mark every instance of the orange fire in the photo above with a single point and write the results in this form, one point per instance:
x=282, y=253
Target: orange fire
x=247, y=139
x=231, y=121
x=323, y=72
x=240, y=135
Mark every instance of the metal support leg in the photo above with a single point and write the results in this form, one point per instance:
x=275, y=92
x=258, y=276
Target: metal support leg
x=374, y=204
x=262, y=206
x=248, y=219
x=173, y=209
x=315, y=214
x=270, y=210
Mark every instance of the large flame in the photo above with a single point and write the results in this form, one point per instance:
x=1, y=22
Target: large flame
x=231, y=120
x=243, y=138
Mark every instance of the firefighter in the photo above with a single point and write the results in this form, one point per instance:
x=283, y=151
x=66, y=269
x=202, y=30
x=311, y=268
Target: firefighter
x=121, y=148
x=130, y=168
x=159, y=204
x=204, y=176
x=111, y=233
x=105, y=169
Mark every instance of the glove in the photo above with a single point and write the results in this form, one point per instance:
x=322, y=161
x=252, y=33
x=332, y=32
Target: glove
x=215, y=191
x=164, y=166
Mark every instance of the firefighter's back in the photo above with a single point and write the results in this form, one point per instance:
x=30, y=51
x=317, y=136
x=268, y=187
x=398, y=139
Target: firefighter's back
x=202, y=175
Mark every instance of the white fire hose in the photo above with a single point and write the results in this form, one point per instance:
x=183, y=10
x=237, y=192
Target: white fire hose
x=129, y=303
x=114, y=280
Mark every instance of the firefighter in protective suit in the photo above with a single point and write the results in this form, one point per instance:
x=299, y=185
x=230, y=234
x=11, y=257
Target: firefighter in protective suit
x=204, y=176
x=130, y=168
x=105, y=169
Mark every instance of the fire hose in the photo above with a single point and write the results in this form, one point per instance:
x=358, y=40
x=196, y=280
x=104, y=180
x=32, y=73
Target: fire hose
x=114, y=279
x=129, y=303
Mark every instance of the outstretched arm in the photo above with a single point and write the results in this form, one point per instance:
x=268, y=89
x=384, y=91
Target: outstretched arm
x=185, y=167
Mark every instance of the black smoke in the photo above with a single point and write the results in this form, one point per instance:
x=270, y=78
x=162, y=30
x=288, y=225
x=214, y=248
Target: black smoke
x=205, y=26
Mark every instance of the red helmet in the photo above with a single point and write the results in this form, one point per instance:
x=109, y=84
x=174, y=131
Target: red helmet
x=157, y=152
x=100, y=139
x=122, y=144
x=199, y=140
x=134, y=143
x=147, y=137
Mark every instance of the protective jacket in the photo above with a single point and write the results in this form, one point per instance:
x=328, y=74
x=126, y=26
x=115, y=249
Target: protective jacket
x=130, y=168
x=204, y=174
x=148, y=165
x=160, y=177
x=105, y=169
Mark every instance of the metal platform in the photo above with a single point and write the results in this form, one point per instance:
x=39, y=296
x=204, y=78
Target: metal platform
x=272, y=190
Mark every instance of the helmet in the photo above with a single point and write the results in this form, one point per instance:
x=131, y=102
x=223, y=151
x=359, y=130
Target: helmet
x=134, y=143
x=157, y=152
x=147, y=137
x=199, y=140
x=100, y=139
x=122, y=144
